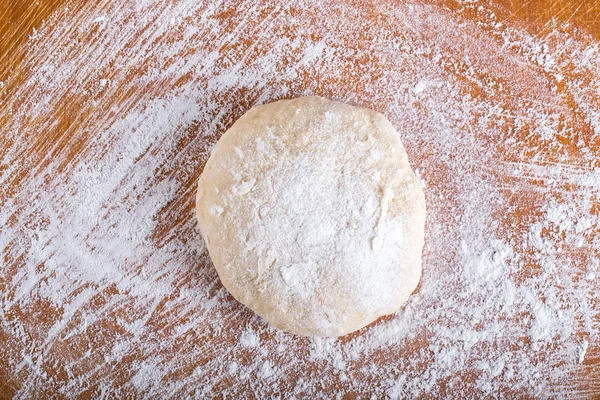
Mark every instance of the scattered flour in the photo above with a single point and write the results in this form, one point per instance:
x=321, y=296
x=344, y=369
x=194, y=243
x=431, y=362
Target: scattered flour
x=106, y=288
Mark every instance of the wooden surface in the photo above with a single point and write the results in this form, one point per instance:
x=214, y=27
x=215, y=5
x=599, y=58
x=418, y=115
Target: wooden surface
x=18, y=19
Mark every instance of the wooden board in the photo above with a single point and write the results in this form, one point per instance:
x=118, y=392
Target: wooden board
x=53, y=134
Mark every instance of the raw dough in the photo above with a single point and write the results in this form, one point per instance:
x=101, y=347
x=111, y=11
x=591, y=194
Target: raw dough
x=312, y=215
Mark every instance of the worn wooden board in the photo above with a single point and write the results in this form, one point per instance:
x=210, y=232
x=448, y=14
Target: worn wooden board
x=54, y=144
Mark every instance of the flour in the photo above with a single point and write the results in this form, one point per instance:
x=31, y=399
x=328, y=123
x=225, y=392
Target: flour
x=106, y=286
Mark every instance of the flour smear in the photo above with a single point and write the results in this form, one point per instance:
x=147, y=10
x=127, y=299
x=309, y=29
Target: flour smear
x=106, y=286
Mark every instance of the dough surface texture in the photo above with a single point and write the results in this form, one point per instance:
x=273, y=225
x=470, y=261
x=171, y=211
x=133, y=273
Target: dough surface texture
x=312, y=215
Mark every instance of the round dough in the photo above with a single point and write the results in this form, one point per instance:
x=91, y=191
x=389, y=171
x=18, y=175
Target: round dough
x=312, y=215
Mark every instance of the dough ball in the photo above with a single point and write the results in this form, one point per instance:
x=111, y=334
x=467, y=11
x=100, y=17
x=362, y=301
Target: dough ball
x=312, y=215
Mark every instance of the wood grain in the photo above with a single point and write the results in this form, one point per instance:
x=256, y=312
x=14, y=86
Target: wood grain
x=52, y=135
x=19, y=17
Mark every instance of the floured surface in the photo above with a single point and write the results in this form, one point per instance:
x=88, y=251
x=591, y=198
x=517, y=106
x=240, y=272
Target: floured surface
x=104, y=130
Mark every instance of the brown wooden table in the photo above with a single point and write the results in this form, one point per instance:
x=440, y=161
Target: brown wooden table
x=51, y=136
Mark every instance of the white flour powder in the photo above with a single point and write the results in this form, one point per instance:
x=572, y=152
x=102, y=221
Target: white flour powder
x=106, y=288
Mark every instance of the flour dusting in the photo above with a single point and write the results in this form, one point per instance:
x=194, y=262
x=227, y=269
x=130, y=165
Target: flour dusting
x=106, y=286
